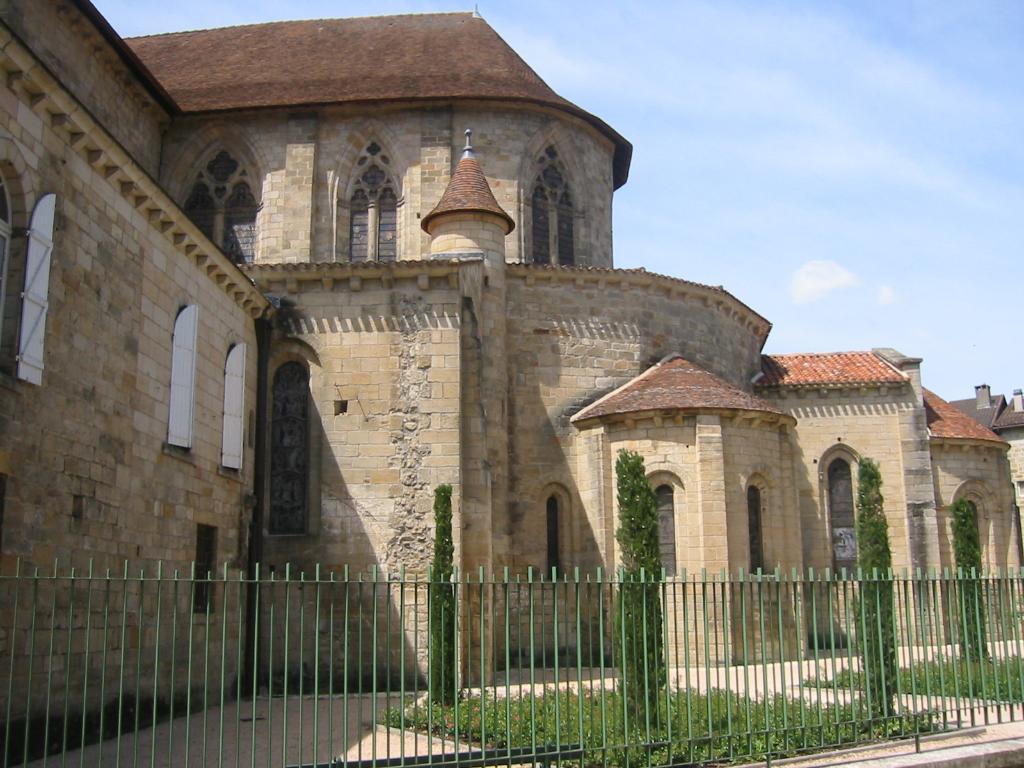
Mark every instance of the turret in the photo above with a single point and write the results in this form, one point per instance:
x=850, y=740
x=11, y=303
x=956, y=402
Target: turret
x=467, y=219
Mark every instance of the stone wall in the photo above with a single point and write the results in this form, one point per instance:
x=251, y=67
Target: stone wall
x=71, y=48
x=1015, y=437
x=90, y=440
x=852, y=423
x=305, y=163
x=384, y=340
x=976, y=471
x=88, y=475
x=574, y=336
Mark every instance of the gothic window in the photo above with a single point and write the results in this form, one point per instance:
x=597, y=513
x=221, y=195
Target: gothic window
x=222, y=205
x=371, y=209
x=551, y=213
x=754, y=521
x=289, y=449
x=841, y=517
x=552, y=533
x=666, y=527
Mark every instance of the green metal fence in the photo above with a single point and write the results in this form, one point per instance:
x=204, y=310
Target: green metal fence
x=159, y=668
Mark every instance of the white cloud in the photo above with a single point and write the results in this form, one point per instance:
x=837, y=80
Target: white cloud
x=817, y=279
x=886, y=295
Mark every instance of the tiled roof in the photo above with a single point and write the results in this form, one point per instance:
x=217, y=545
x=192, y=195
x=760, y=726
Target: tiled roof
x=429, y=58
x=827, y=369
x=985, y=416
x=468, y=190
x=945, y=421
x=1010, y=418
x=674, y=384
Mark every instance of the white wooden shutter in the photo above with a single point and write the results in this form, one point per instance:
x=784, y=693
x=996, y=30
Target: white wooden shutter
x=183, y=377
x=37, y=287
x=234, y=407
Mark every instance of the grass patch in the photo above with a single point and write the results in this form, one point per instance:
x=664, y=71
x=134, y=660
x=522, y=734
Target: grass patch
x=992, y=679
x=686, y=727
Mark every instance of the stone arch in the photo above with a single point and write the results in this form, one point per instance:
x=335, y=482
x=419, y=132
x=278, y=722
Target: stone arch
x=551, y=146
x=555, y=503
x=182, y=166
x=222, y=196
x=20, y=198
x=986, y=504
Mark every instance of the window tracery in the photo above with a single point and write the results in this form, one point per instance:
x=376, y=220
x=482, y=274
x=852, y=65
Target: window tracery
x=372, y=208
x=551, y=213
x=222, y=205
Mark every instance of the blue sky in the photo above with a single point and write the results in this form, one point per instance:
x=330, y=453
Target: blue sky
x=852, y=171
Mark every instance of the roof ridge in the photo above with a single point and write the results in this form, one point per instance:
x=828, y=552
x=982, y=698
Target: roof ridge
x=250, y=25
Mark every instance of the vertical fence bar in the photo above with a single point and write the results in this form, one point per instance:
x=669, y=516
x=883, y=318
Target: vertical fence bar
x=86, y=666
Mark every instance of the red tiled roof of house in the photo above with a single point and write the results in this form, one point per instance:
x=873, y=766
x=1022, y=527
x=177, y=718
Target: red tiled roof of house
x=674, y=384
x=427, y=58
x=827, y=369
x=468, y=190
x=947, y=422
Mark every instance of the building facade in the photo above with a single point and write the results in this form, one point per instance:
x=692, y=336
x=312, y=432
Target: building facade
x=283, y=298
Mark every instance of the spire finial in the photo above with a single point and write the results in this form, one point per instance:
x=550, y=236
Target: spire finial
x=467, y=151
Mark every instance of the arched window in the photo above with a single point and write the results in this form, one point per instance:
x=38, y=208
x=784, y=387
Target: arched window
x=184, y=347
x=754, y=528
x=222, y=205
x=551, y=213
x=289, y=449
x=841, y=516
x=665, y=495
x=371, y=209
x=554, y=561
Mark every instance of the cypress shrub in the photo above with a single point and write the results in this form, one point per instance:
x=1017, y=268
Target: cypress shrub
x=638, y=613
x=967, y=554
x=441, y=603
x=875, y=607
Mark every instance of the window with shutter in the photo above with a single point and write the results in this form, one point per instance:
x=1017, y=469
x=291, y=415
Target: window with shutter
x=234, y=407
x=37, y=286
x=183, y=377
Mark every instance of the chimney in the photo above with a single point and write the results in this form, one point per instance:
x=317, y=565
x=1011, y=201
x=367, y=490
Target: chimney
x=982, y=396
x=1018, y=401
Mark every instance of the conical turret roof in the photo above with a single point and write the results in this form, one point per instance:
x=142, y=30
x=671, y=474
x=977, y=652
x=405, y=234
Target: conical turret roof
x=468, y=191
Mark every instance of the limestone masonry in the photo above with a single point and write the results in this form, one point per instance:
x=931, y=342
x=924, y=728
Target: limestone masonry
x=259, y=311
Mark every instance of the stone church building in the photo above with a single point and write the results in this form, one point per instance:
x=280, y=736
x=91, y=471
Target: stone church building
x=258, y=301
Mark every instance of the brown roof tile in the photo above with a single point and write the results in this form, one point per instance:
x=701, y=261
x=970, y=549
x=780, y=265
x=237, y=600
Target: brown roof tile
x=947, y=422
x=827, y=369
x=674, y=384
x=1010, y=418
x=430, y=57
x=468, y=190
